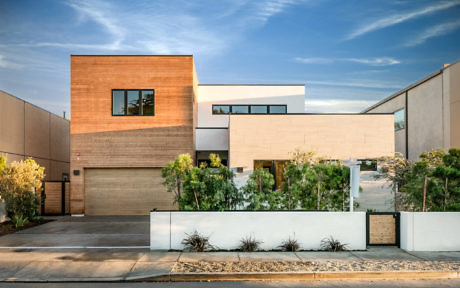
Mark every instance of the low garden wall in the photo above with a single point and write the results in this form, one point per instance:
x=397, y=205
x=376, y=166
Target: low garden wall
x=430, y=231
x=226, y=229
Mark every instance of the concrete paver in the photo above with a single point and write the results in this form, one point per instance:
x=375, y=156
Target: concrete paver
x=437, y=256
x=150, y=269
x=208, y=256
x=326, y=256
x=160, y=256
x=384, y=253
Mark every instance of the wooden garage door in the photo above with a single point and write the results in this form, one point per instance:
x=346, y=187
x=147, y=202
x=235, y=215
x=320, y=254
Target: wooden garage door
x=125, y=191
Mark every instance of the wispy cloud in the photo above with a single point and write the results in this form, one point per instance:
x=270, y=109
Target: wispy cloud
x=172, y=30
x=435, y=31
x=336, y=105
x=375, y=84
x=391, y=20
x=382, y=61
x=8, y=64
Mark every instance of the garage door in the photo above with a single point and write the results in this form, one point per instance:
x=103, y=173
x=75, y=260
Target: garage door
x=125, y=191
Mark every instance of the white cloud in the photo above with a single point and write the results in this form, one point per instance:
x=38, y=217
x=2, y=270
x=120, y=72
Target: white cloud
x=359, y=84
x=8, y=64
x=435, y=31
x=391, y=20
x=382, y=61
x=336, y=105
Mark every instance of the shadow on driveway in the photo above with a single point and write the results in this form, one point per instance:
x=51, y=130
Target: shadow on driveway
x=87, y=231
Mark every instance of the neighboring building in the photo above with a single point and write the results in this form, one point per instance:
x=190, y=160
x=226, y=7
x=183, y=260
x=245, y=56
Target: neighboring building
x=29, y=131
x=427, y=113
x=133, y=114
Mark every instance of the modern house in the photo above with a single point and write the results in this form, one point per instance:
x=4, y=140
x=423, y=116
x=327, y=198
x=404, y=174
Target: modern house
x=426, y=113
x=131, y=114
x=30, y=131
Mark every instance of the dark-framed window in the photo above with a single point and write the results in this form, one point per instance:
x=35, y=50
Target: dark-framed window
x=133, y=102
x=399, y=119
x=240, y=109
x=277, y=109
x=220, y=109
x=249, y=109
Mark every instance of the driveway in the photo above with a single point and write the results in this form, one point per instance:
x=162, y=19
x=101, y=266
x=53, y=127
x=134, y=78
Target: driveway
x=84, y=232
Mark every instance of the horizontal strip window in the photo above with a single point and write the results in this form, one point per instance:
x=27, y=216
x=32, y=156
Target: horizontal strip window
x=133, y=102
x=249, y=109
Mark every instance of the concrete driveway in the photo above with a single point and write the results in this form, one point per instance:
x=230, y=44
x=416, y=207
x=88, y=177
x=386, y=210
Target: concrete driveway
x=81, y=232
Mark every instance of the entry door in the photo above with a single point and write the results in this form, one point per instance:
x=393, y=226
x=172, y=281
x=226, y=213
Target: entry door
x=383, y=228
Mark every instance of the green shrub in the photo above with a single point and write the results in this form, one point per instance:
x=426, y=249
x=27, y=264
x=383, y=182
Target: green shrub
x=258, y=191
x=19, y=220
x=22, y=203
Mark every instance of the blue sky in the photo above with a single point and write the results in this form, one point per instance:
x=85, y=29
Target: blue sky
x=350, y=54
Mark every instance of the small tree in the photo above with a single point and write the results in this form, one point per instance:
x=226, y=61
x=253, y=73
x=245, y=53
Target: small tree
x=175, y=172
x=20, y=185
x=259, y=191
x=210, y=188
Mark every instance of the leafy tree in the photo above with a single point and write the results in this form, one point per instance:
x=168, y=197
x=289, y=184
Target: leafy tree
x=210, y=188
x=20, y=185
x=259, y=193
x=433, y=183
x=175, y=173
x=393, y=169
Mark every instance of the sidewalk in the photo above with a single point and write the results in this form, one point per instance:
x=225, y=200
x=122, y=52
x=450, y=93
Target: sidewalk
x=59, y=265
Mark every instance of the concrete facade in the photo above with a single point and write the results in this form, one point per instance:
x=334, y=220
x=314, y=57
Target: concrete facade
x=29, y=131
x=432, y=110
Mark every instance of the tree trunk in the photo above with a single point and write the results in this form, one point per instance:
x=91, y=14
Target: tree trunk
x=445, y=195
x=424, y=193
x=179, y=184
x=319, y=194
x=196, y=200
x=289, y=193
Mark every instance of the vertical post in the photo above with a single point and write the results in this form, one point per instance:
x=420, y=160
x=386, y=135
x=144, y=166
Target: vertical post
x=354, y=179
x=351, y=188
x=424, y=193
x=318, y=201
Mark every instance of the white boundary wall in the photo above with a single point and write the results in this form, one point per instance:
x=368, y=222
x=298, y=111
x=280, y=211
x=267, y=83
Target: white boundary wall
x=226, y=229
x=430, y=231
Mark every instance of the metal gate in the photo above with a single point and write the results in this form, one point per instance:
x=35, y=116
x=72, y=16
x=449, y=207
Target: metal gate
x=55, y=198
x=383, y=229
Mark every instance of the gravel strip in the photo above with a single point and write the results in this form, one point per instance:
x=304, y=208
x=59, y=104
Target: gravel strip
x=323, y=266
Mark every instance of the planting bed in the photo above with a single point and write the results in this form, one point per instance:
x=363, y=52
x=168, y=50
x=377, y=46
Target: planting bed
x=320, y=266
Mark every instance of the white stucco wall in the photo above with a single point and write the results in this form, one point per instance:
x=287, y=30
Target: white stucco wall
x=291, y=95
x=226, y=229
x=430, y=231
x=212, y=139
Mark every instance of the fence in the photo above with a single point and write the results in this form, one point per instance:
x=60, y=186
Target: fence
x=226, y=229
x=55, y=198
x=430, y=231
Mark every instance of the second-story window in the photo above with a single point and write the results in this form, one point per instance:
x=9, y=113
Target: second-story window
x=249, y=109
x=131, y=102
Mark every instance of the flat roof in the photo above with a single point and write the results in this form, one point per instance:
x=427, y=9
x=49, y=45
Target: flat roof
x=11, y=95
x=413, y=85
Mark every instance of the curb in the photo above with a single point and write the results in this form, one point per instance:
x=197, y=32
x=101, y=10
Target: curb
x=296, y=276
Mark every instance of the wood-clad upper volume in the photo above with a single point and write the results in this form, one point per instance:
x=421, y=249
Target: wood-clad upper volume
x=100, y=140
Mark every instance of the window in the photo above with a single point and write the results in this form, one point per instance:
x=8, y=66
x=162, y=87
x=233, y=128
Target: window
x=399, y=119
x=220, y=109
x=249, y=109
x=277, y=109
x=133, y=102
x=259, y=109
x=240, y=109
x=368, y=164
x=118, y=102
